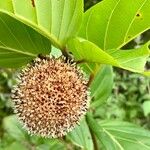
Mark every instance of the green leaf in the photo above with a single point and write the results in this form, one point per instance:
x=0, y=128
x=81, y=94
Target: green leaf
x=81, y=136
x=132, y=60
x=117, y=135
x=101, y=86
x=146, y=108
x=53, y=144
x=13, y=128
x=16, y=146
x=57, y=20
x=113, y=23
x=19, y=44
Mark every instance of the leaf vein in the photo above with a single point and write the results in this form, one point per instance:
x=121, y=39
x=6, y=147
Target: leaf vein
x=126, y=34
x=107, y=26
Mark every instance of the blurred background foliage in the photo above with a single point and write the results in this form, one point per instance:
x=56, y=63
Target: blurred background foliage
x=129, y=101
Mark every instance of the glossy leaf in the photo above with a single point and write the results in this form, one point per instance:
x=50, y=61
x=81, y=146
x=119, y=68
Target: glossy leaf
x=117, y=135
x=113, y=23
x=81, y=136
x=19, y=43
x=56, y=20
x=132, y=60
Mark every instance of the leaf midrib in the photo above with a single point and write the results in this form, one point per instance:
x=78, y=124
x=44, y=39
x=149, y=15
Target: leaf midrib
x=107, y=26
x=34, y=26
x=18, y=51
x=132, y=141
x=113, y=139
x=122, y=131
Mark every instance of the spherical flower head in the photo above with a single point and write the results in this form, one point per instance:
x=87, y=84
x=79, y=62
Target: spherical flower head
x=50, y=97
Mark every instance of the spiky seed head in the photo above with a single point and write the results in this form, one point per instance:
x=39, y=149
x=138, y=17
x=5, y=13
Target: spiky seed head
x=50, y=97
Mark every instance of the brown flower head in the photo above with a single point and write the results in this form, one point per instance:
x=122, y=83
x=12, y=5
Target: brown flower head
x=51, y=96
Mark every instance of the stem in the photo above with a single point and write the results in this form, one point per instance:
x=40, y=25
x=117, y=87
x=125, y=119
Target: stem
x=66, y=54
x=148, y=87
x=90, y=79
x=94, y=140
x=80, y=61
x=92, y=134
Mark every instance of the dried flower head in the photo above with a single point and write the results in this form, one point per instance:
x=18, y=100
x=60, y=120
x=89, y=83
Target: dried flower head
x=51, y=96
